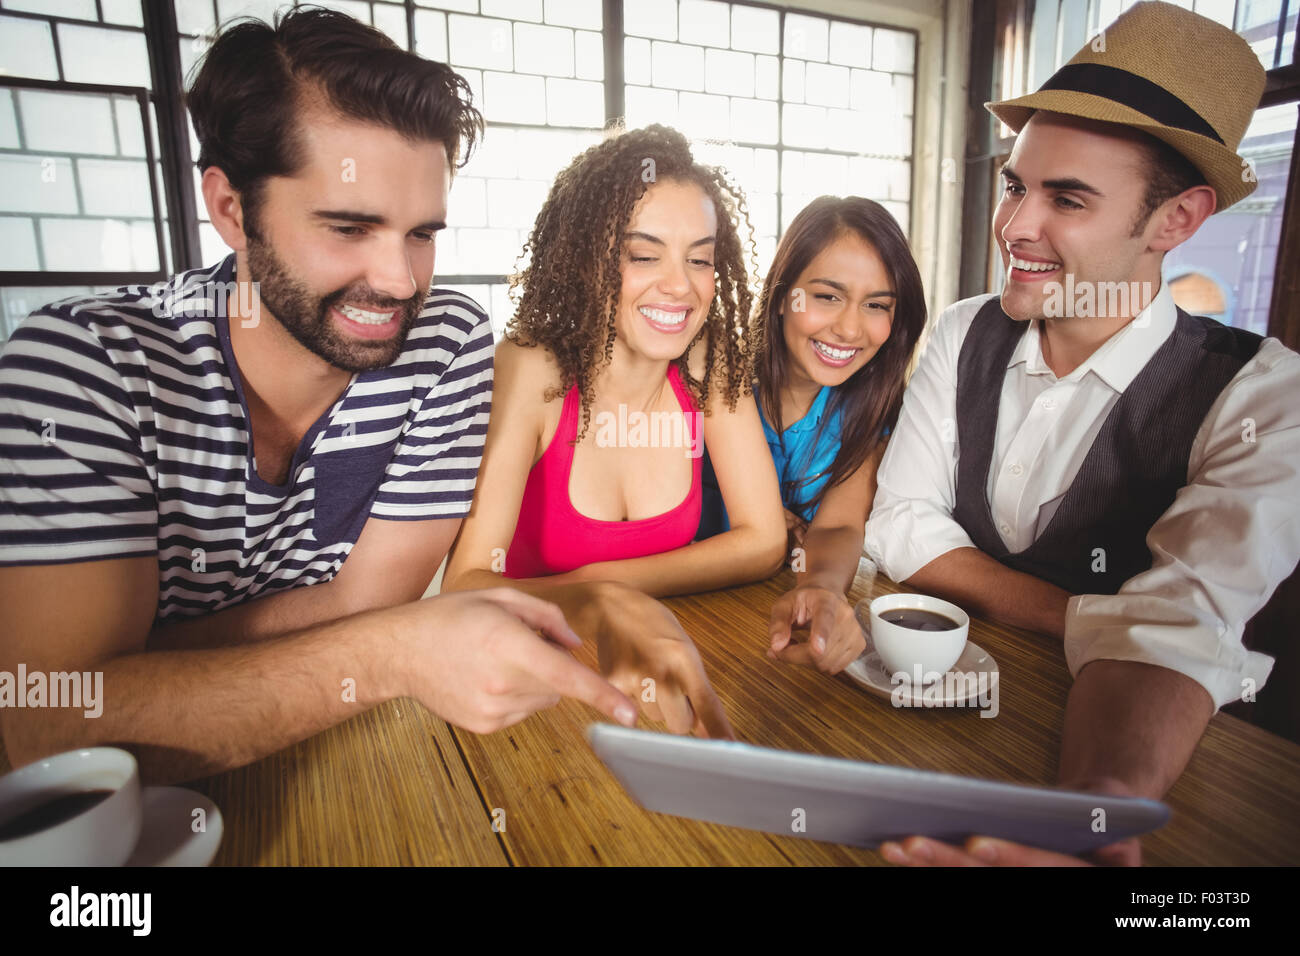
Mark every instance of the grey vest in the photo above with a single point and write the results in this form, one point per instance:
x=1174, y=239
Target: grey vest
x=1129, y=477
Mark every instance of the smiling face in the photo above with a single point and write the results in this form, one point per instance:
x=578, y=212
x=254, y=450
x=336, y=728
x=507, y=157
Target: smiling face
x=343, y=250
x=1072, y=192
x=837, y=313
x=667, y=271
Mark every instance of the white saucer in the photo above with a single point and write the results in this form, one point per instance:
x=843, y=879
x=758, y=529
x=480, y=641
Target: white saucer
x=870, y=671
x=167, y=837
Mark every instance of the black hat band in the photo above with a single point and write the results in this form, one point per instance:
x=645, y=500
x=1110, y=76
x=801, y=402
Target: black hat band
x=1136, y=92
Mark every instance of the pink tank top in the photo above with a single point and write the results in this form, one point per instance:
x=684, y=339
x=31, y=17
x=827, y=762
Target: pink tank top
x=553, y=537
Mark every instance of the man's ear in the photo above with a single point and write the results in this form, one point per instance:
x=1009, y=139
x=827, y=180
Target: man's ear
x=225, y=208
x=1181, y=217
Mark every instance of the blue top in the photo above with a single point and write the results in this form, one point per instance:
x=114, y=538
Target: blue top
x=803, y=450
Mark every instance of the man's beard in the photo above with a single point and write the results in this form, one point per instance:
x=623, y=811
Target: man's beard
x=309, y=320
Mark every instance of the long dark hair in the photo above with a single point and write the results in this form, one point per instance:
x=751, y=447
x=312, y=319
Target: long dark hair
x=869, y=401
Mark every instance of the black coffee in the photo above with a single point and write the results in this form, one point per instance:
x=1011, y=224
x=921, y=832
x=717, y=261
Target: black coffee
x=51, y=813
x=918, y=620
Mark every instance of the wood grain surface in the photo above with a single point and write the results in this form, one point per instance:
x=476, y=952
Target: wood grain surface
x=398, y=786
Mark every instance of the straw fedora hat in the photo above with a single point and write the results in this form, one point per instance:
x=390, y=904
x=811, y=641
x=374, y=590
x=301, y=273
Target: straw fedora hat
x=1166, y=71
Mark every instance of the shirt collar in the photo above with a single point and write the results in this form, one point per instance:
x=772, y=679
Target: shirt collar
x=1120, y=357
x=814, y=415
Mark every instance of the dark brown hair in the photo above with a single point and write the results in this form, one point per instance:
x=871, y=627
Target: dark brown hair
x=869, y=400
x=257, y=78
x=573, y=280
x=1168, y=173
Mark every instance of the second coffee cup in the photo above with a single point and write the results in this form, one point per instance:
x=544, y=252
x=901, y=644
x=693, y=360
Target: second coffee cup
x=916, y=634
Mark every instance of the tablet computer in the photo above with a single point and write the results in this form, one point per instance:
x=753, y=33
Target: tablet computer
x=854, y=802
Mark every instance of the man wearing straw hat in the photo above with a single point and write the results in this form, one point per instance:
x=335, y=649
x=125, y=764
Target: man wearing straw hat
x=1080, y=457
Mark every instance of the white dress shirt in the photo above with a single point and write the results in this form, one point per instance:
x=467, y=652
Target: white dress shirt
x=1220, y=550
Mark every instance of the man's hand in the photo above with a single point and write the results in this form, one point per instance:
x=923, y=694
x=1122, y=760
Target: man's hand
x=474, y=659
x=835, y=639
x=638, y=638
x=987, y=851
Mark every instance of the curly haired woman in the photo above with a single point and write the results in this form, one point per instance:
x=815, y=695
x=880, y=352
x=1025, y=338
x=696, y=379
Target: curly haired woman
x=634, y=309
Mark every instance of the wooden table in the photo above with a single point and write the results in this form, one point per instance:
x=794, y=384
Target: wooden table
x=399, y=786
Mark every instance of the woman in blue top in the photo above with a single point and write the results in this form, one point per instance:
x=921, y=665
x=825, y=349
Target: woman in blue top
x=842, y=309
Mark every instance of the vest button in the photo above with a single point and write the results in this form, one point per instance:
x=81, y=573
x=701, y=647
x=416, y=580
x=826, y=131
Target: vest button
x=1004, y=528
x=1017, y=469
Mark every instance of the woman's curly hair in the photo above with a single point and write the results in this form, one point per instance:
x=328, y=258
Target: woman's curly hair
x=573, y=280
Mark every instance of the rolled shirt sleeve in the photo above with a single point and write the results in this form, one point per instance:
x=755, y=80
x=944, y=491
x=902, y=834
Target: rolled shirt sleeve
x=1230, y=538
x=911, y=520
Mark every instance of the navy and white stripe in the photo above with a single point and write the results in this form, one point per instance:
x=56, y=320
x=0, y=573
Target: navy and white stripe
x=123, y=433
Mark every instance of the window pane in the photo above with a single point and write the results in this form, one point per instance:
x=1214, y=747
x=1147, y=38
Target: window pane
x=678, y=66
x=126, y=12
x=72, y=9
x=514, y=9
x=467, y=202
x=646, y=106
x=803, y=125
x=68, y=122
x=701, y=115
x=1226, y=269
x=636, y=61
x=1257, y=21
x=513, y=98
x=589, y=52
x=112, y=187
x=462, y=6
x=27, y=48
x=574, y=13
x=766, y=72
x=431, y=35
x=476, y=41
x=806, y=37
x=851, y=44
x=546, y=50
x=792, y=90
x=575, y=103
x=96, y=55
x=755, y=30
x=894, y=51
x=826, y=85
x=706, y=22
x=753, y=121
x=727, y=72
x=18, y=240
x=390, y=19
x=650, y=18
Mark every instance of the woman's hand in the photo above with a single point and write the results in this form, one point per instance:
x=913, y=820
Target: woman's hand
x=835, y=639
x=644, y=652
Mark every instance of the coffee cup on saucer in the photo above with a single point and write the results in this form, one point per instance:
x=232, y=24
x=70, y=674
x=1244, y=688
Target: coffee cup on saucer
x=919, y=638
x=80, y=808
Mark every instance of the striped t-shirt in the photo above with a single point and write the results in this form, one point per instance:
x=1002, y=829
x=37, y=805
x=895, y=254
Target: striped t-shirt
x=124, y=432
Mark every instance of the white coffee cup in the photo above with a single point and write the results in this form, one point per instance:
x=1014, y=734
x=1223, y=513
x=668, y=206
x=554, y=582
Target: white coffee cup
x=101, y=835
x=907, y=651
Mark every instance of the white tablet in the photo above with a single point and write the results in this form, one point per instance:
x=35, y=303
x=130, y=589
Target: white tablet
x=853, y=802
